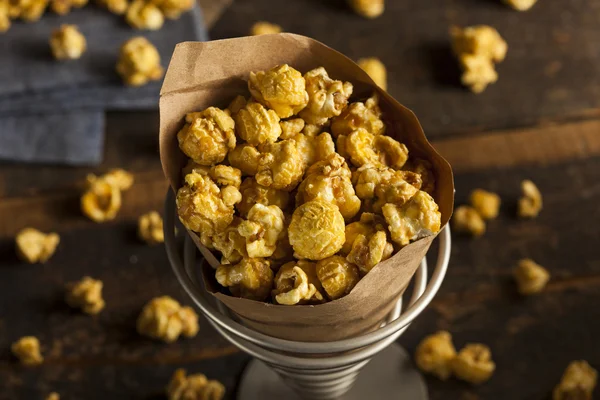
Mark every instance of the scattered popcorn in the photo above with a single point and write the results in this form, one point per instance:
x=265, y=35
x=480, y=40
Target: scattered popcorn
x=34, y=246
x=474, y=363
x=114, y=6
x=139, y=62
x=62, y=7
x=4, y=16
x=165, y=319
x=467, y=220
x=337, y=276
x=296, y=283
x=53, y=396
x=173, y=9
x=282, y=89
x=150, y=228
x=144, y=15
x=435, y=353
x=368, y=8
x=326, y=97
x=487, y=204
x=86, y=294
x=264, y=28
x=194, y=387
x=251, y=278
x=27, y=350
x=418, y=218
x=520, y=5
x=376, y=70
x=120, y=178
x=531, y=277
x=577, y=383
x=530, y=204
x=27, y=10
x=102, y=200
x=67, y=43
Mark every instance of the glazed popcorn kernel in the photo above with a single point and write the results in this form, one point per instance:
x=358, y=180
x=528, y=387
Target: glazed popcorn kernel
x=368, y=8
x=251, y=278
x=120, y=178
x=264, y=28
x=473, y=363
x=144, y=15
x=291, y=128
x=478, y=72
x=357, y=115
x=102, y=200
x=337, y=276
x=376, y=70
x=53, y=396
x=326, y=97
x=435, y=354
x=27, y=350
x=480, y=41
x=150, y=228
x=236, y=105
x=425, y=170
x=173, y=9
x=317, y=230
x=314, y=148
x=27, y=10
x=139, y=62
x=530, y=204
x=385, y=185
x=281, y=166
x=194, y=387
x=67, y=43
x=230, y=243
x=520, y=5
x=253, y=193
x=34, y=246
x=467, y=220
x=246, y=158
x=86, y=295
x=282, y=89
x=362, y=147
x=62, y=7
x=486, y=203
x=531, y=277
x=165, y=319
x=367, y=252
x=296, y=283
x=577, y=383
x=256, y=124
x=114, y=6
x=262, y=230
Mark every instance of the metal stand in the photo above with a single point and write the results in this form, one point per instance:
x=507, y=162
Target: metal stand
x=315, y=371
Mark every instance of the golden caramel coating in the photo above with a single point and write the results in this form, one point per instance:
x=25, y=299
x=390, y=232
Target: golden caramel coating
x=230, y=243
x=480, y=41
x=62, y=7
x=312, y=130
x=385, y=185
x=317, y=230
x=150, y=228
x=466, y=219
x=425, y=171
x=486, y=203
x=418, y=218
x=264, y=226
x=207, y=136
x=224, y=175
x=530, y=204
x=296, y=282
x=314, y=148
x=478, y=72
x=281, y=165
x=257, y=125
x=326, y=97
x=435, y=353
x=102, y=200
x=531, y=277
x=368, y=8
x=329, y=180
x=282, y=89
x=120, y=178
x=236, y=105
x=577, y=383
x=194, y=387
x=253, y=193
x=27, y=10
x=86, y=295
x=165, y=319
x=337, y=276
x=474, y=363
x=114, y=6
x=357, y=115
x=53, y=396
x=27, y=350
x=520, y=5
x=144, y=15
x=291, y=128
x=264, y=28
x=366, y=252
x=251, y=278
x=173, y=9
x=4, y=16
x=364, y=148
x=246, y=158
x=139, y=62
x=204, y=208
x=34, y=246
x=375, y=69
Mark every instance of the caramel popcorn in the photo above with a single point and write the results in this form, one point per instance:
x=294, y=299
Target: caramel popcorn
x=114, y=6
x=478, y=72
x=467, y=220
x=230, y=243
x=425, y=171
x=317, y=230
x=264, y=28
x=385, y=185
x=67, y=43
x=139, y=62
x=237, y=104
x=577, y=383
x=531, y=277
x=376, y=70
x=86, y=294
x=194, y=387
x=473, y=363
x=120, y=178
x=53, y=396
x=251, y=278
x=435, y=353
x=291, y=128
x=34, y=246
x=263, y=228
x=296, y=283
x=27, y=350
x=418, y=218
x=62, y=7
x=246, y=158
x=4, y=16
x=326, y=97
x=362, y=147
x=165, y=319
x=530, y=204
x=368, y=8
x=357, y=115
x=257, y=125
x=337, y=276
x=368, y=252
x=102, y=200
x=281, y=166
x=314, y=148
x=487, y=204
x=150, y=228
x=207, y=136
x=253, y=193
x=281, y=89
x=144, y=15
x=27, y=10
x=520, y=5
x=173, y=9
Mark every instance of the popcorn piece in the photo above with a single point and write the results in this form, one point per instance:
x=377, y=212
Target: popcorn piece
x=264, y=28
x=435, y=353
x=67, y=43
x=231, y=244
x=486, y=203
x=326, y=97
x=520, y=5
x=473, y=363
x=478, y=72
x=314, y=148
x=366, y=252
x=34, y=246
x=27, y=10
x=291, y=128
x=530, y=204
x=480, y=41
x=27, y=350
x=225, y=175
x=364, y=148
x=467, y=220
x=263, y=228
x=312, y=130
x=165, y=319
x=368, y=8
x=194, y=387
x=253, y=193
x=577, y=383
x=62, y=7
x=150, y=228
x=173, y=9
x=281, y=166
x=86, y=294
x=337, y=276
x=251, y=278
x=376, y=70
x=297, y=283
x=144, y=15
x=357, y=115
x=385, y=185
x=246, y=158
x=102, y=200
x=114, y=6
x=53, y=396
x=317, y=230
x=139, y=62
x=120, y=178
x=257, y=125
x=425, y=170
x=329, y=180
x=207, y=136
x=4, y=16
x=531, y=277
x=281, y=89
x=237, y=104
x=414, y=220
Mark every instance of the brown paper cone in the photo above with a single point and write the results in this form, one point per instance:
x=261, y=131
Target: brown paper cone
x=212, y=74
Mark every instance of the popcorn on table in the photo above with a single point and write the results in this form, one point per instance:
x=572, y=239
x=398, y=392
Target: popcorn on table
x=264, y=28
x=376, y=70
x=165, y=319
x=435, y=354
x=86, y=294
x=577, y=383
x=193, y=387
x=27, y=350
x=139, y=62
x=34, y=246
x=531, y=277
x=67, y=43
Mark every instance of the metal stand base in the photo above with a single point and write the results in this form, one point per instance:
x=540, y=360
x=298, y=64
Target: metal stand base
x=389, y=375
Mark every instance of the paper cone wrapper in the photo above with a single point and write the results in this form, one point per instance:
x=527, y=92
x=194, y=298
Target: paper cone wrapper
x=204, y=74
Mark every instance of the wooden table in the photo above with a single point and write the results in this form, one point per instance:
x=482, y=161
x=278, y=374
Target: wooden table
x=540, y=121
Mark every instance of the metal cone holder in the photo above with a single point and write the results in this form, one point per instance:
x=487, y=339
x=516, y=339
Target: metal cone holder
x=291, y=370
